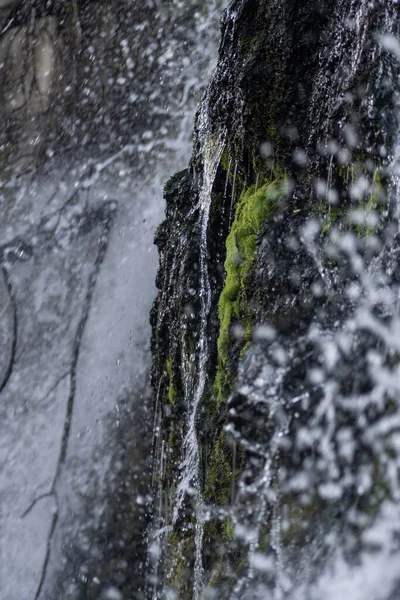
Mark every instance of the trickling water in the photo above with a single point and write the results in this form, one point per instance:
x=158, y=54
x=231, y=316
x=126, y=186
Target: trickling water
x=349, y=31
x=193, y=381
x=189, y=469
x=189, y=465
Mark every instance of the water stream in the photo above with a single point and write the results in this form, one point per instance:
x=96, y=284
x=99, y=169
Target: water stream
x=190, y=476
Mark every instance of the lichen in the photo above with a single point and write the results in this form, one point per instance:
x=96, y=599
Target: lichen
x=254, y=207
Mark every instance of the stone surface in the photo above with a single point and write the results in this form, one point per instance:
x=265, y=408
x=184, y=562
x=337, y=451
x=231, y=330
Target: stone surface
x=303, y=100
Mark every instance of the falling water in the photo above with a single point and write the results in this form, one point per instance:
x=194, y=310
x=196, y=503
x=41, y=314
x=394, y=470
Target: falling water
x=193, y=383
x=160, y=139
x=190, y=476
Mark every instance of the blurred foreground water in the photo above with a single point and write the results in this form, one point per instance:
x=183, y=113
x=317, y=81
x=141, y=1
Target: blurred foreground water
x=97, y=102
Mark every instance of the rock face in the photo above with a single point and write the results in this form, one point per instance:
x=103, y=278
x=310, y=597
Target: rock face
x=274, y=365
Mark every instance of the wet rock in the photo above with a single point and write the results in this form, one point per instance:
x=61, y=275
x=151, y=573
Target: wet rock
x=296, y=102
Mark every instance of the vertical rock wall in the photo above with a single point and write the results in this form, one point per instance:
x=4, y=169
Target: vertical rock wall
x=302, y=112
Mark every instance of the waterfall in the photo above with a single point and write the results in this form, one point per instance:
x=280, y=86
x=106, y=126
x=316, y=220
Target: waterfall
x=194, y=382
x=306, y=424
x=77, y=249
x=189, y=468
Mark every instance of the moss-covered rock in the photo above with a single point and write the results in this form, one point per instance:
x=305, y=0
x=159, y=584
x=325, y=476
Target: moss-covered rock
x=286, y=91
x=255, y=206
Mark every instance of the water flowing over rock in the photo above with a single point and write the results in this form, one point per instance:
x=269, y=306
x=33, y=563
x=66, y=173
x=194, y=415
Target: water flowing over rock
x=275, y=346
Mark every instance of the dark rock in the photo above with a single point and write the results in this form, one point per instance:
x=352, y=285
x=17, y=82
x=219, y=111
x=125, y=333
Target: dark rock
x=303, y=99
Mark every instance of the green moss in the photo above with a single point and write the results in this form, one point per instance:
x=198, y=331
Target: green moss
x=330, y=215
x=225, y=160
x=254, y=207
x=375, y=202
x=178, y=568
x=228, y=530
x=171, y=388
x=225, y=465
x=217, y=572
x=220, y=475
